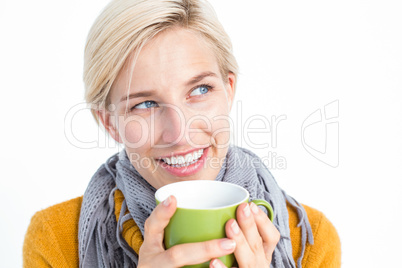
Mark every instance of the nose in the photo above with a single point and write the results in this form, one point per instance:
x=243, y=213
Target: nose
x=173, y=125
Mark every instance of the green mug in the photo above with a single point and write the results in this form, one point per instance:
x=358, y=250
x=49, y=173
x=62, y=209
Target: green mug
x=203, y=208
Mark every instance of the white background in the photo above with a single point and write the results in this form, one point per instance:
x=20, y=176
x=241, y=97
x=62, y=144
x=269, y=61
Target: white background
x=295, y=57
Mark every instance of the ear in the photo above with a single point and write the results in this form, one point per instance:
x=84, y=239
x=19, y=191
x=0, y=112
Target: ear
x=230, y=88
x=107, y=121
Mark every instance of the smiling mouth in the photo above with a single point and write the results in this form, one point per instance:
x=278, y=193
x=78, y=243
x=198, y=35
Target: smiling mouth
x=183, y=160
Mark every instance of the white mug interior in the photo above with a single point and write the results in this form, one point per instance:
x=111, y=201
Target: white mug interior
x=203, y=194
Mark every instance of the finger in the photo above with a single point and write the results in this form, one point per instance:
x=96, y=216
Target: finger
x=243, y=253
x=248, y=226
x=156, y=223
x=196, y=253
x=216, y=263
x=267, y=230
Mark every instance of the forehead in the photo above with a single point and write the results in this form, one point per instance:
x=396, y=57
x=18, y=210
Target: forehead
x=167, y=61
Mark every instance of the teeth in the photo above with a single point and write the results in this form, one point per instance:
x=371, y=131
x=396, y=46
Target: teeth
x=184, y=160
x=189, y=158
x=180, y=160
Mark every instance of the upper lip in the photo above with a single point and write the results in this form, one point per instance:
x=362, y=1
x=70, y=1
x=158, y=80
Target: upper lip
x=180, y=153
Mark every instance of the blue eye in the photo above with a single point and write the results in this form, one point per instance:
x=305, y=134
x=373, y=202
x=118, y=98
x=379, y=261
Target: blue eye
x=145, y=105
x=200, y=90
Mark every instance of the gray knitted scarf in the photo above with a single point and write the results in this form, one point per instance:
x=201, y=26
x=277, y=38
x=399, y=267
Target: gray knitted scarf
x=100, y=240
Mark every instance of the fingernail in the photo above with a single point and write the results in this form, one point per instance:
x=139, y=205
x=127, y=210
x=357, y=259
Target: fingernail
x=228, y=244
x=246, y=211
x=216, y=264
x=254, y=208
x=235, y=227
x=166, y=203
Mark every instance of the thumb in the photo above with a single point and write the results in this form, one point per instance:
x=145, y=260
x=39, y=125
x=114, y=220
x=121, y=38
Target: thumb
x=158, y=220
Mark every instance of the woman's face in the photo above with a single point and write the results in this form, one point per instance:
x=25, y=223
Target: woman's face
x=174, y=124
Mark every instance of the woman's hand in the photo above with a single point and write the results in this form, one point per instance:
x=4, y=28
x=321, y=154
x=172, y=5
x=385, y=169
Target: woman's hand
x=255, y=235
x=153, y=254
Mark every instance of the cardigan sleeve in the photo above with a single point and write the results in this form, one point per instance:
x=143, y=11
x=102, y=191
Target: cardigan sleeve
x=40, y=246
x=326, y=251
x=52, y=237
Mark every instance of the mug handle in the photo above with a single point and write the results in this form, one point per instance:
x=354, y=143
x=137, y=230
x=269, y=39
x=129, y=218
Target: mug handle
x=261, y=202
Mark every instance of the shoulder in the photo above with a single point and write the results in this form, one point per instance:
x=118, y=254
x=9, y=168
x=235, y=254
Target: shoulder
x=52, y=236
x=70, y=208
x=326, y=250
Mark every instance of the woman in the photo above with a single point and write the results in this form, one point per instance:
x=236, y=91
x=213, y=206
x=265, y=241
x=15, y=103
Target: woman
x=161, y=77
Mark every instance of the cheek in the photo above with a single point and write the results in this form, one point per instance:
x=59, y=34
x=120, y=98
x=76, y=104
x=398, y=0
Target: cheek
x=219, y=125
x=221, y=131
x=134, y=132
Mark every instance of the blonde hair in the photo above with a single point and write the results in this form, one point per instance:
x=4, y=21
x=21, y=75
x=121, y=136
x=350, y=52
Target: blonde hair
x=125, y=26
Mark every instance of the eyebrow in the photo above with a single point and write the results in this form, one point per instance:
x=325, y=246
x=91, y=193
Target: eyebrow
x=145, y=93
x=148, y=93
x=199, y=77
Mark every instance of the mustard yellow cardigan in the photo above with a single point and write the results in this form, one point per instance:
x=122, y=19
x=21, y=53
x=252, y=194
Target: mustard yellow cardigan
x=52, y=237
